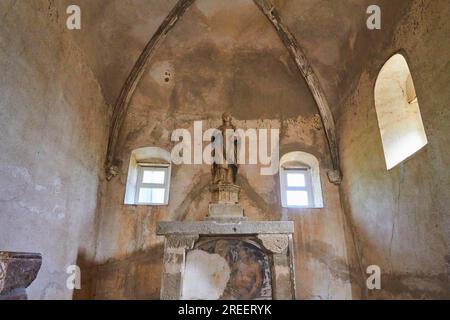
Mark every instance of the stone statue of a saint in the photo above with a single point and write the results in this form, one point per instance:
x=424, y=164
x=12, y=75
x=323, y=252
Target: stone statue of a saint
x=225, y=167
x=224, y=203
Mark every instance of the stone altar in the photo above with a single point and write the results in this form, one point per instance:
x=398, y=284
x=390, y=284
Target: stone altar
x=242, y=259
x=274, y=237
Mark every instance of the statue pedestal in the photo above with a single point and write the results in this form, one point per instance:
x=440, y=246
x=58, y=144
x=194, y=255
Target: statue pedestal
x=224, y=205
x=225, y=211
x=225, y=193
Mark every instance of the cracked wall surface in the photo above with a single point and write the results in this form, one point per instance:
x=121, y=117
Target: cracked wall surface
x=400, y=218
x=53, y=121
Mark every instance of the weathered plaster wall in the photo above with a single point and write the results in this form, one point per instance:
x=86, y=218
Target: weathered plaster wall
x=328, y=32
x=53, y=122
x=219, y=58
x=332, y=35
x=128, y=232
x=400, y=218
x=222, y=56
x=118, y=32
x=208, y=276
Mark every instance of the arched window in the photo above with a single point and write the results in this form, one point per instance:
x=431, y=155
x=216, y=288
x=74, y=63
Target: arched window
x=148, y=181
x=300, y=181
x=397, y=107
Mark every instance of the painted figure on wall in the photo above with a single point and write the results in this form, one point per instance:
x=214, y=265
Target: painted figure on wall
x=250, y=274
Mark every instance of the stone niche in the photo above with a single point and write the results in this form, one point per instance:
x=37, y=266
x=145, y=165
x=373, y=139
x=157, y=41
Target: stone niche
x=217, y=260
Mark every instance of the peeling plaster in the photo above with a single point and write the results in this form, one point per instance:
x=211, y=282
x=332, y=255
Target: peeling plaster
x=206, y=276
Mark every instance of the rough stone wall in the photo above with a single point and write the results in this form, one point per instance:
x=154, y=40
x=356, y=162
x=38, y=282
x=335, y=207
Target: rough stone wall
x=53, y=122
x=215, y=61
x=400, y=218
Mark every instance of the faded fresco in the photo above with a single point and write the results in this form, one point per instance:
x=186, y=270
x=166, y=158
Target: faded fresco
x=250, y=275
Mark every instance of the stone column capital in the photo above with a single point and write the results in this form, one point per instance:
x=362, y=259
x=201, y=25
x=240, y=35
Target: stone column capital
x=185, y=241
x=17, y=272
x=275, y=243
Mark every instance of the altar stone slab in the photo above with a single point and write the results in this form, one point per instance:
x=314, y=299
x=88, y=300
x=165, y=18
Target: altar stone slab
x=224, y=228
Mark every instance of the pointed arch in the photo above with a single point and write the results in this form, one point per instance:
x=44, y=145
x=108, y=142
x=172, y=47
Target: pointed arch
x=128, y=88
x=303, y=65
x=286, y=37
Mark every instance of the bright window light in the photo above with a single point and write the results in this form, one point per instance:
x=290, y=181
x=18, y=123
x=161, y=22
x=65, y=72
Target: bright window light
x=398, y=113
x=153, y=176
x=297, y=198
x=152, y=186
x=297, y=187
x=296, y=179
x=151, y=195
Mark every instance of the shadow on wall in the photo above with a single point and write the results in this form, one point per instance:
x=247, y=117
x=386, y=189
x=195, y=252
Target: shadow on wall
x=135, y=277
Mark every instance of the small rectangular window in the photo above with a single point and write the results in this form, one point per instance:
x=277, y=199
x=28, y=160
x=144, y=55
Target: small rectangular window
x=297, y=198
x=297, y=188
x=152, y=185
x=153, y=176
x=296, y=179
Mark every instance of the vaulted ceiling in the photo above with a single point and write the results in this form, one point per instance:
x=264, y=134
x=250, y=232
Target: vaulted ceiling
x=230, y=34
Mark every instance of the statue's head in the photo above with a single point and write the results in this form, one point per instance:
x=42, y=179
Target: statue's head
x=226, y=118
